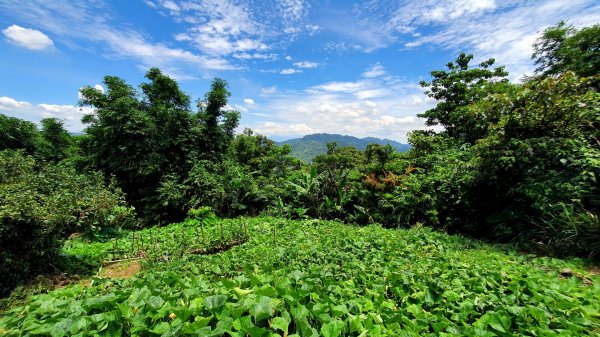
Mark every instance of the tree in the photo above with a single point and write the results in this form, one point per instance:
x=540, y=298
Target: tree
x=56, y=141
x=151, y=141
x=18, y=134
x=378, y=155
x=218, y=125
x=537, y=171
x=140, y=140
x=563, y=48
x=248, y=149
x=457, y=88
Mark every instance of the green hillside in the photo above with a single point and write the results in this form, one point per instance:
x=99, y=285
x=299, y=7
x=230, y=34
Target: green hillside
x=315, y=278
x=307, y=147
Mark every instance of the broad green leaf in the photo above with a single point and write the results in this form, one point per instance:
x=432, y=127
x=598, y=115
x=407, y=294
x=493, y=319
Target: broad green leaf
x=281, y=324
x=332, y=329
x=155, y=302
x=215, y=301
x=261, y=309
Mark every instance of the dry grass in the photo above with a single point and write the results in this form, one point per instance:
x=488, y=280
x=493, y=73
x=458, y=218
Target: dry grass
x=122, y=269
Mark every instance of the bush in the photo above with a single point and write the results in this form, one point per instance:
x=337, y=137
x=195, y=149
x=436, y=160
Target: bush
x=41, y=205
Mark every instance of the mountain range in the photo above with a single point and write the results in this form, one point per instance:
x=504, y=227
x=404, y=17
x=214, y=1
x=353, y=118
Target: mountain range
x=309, y=146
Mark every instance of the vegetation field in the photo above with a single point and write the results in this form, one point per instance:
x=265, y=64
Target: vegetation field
x=313, y=278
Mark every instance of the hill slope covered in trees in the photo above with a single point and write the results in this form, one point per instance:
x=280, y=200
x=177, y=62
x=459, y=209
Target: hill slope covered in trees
x=310, y=146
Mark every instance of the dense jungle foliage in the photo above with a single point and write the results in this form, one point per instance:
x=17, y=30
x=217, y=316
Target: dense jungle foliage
x=515, y=163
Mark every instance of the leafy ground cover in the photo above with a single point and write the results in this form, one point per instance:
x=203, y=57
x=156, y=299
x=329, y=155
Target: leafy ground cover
x=318, y=278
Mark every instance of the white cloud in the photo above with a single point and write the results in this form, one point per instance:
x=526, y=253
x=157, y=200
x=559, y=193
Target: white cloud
x=312, y=29
x=250, y=56
x=289, y=71
x=27, y=38
x=428, y=11
x=340, y=46
x=370, y=93
x=274, y=129
x=249, y=101
x=90, y=21
x=375, y=71
x=504, y=30
x=7, y=103
x=381, y=107
x=239, y=28
x=170, y=5
x=340, y=86
x=293, y=13
x=240, y=108
x=289, y=58
x=306, y=64
x=70, y=114
x=99, y=87
x=268, y=91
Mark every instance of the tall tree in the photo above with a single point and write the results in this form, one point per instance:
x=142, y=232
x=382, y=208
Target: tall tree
x=455, y=89
x=217, y=123
x=151, y=141
x=56, y=141
x=139, y=140
x=563, y=48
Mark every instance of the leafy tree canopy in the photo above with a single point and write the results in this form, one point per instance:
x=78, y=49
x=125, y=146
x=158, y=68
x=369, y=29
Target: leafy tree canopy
x=563, y=48
x=458, y=87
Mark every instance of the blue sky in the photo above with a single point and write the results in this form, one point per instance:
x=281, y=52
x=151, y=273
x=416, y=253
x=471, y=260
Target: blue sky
x=294, y=67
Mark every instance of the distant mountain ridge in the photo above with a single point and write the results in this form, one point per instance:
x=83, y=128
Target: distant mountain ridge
x=309, y=146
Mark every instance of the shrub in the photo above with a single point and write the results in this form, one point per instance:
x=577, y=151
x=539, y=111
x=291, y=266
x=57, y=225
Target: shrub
x=41, y=205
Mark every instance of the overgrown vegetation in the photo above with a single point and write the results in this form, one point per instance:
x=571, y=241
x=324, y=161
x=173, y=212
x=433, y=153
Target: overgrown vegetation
x=41, y=205
x=515, y=163
x=322, y=278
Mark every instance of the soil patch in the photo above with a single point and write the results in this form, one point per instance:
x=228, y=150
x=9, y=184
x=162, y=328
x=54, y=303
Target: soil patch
x=594, y=270
x=121, y=269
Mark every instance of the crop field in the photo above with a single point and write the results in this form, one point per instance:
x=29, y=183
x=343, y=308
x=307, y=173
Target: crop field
x=275, y=277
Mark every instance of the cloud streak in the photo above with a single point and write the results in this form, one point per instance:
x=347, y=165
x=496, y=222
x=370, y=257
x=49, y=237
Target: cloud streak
x=75, y=23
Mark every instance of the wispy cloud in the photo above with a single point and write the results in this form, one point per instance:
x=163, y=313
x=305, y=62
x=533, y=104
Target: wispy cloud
x=478, y=30
x=77, y=23
x=290, y=71
x=504, y=30
x=375, y=71
x=218, y=27
x=246, y=30
x=306, y=64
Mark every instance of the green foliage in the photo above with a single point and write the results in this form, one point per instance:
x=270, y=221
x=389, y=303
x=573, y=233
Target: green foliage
x=18, y=134
x=542, y=161
x=155, y=145
x=457, y=88
x=530, y=178
x=39, y=206
x=562, y=48
x=218, y=125
x=56, y=141
x=325, y=278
